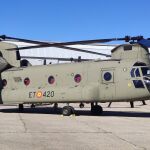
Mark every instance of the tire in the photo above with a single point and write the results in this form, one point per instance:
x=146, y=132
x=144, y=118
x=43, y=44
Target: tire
x=66, y=111
x=72, y=110
x=96, y=110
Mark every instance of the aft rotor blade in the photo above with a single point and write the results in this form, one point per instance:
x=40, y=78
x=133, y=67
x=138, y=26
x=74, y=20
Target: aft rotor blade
x=110, y=45
x=59, y=46
x=64, y=44
x=85, y=51
x=4, y=37
x=55, y=58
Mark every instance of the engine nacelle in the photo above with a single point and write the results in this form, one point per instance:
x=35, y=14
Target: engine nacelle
x=8, y=58
x=3, y=64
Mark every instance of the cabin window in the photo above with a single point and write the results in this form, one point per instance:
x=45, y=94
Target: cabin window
x=77, y=78
x=26, y=81
x=138, y=84
x=51, y=79
x=107, y=76
x=4, y=82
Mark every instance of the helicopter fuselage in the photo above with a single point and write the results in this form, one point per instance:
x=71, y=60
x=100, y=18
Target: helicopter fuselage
x=123, y=77
x=93, y=81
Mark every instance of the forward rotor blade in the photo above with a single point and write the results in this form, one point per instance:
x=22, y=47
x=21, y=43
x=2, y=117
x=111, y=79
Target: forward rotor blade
x=54, y=58
x=145, y=42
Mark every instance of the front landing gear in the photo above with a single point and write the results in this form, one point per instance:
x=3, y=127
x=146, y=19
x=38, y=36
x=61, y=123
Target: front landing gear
x=96, y=109
x=67, y=110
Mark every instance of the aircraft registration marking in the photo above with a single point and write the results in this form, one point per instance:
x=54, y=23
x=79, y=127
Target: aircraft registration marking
x=40, y=94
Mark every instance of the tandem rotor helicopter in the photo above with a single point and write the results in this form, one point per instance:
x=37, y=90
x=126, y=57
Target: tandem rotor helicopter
x=125, y=77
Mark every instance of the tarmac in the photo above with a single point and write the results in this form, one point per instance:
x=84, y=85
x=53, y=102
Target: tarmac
x=119, y=128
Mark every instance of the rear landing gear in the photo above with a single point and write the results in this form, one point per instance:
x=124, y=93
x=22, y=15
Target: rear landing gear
x=21, y=108
x=32, y=105
x=132, y=104
x=67, y=110
x=144, y=103
x=55, y=106
x=81, y=105
x=96, y=109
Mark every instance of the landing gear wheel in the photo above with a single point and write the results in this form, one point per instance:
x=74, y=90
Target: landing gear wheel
x=96, y=110
x=21, y=108
x=67, y=110
x=72, y=110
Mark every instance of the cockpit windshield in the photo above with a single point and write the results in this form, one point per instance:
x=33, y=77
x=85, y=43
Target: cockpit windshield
x=145, y=71
x=147, y=82
x=141, y=77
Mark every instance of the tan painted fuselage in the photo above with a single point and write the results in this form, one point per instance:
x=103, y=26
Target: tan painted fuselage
x=93, y=86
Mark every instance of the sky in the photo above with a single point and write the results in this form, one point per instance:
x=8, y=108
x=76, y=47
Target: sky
x=68, y=20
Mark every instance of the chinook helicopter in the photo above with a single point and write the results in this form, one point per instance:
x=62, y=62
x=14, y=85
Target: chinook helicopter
x=125, y=77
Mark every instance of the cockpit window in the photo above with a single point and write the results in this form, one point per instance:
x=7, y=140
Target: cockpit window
x=147, y=82
x=132, y=72
x=145, y=71
x=137, y=72
x=139, y=64
x=138, y=84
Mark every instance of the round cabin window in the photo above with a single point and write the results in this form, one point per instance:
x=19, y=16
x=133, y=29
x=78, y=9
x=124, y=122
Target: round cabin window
x=4, y=82
x=51, y=80
x=26, y=81
x=107, y=76
x=77, y=78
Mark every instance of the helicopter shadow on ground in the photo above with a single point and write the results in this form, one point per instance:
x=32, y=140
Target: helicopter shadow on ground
x=37, y=110
x=50, y=110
